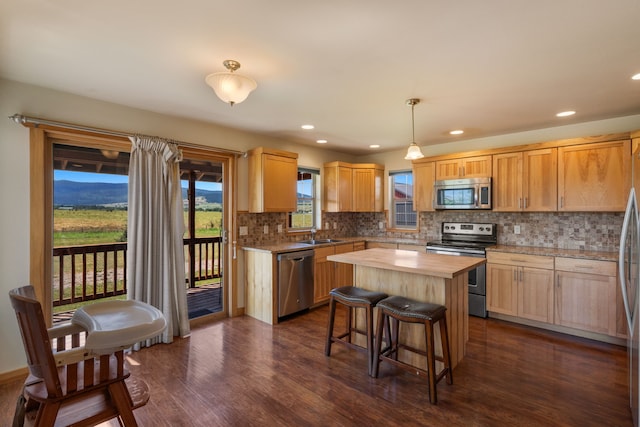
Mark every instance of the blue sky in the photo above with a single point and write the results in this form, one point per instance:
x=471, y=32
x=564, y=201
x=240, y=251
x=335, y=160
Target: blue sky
x=60, y=175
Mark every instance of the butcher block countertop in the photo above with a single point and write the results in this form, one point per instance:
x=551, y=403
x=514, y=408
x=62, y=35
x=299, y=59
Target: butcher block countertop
x=435, y=265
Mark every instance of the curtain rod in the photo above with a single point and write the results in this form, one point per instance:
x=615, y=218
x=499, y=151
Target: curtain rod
x=20, y=119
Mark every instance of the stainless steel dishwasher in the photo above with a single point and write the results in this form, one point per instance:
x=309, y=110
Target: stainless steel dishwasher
x=295, y=282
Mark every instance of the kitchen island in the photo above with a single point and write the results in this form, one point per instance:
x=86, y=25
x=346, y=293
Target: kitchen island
x=439, y=279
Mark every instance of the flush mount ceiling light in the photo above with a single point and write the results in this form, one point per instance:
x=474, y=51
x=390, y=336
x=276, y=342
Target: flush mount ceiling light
x=565, y=114
x=230, y=87
x=414, y=151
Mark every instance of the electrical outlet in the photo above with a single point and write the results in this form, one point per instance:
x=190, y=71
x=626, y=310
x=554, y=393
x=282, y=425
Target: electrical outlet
x=244, y=230
x=266, y=229
x=326, y=225
x=381, y=225
x=516, y=229
x=335, y=225
x=279, y=228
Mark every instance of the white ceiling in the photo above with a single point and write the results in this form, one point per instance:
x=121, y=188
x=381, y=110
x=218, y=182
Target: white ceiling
x=489, y=67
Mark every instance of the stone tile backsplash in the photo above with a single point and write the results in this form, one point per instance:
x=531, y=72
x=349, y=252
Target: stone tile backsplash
x=565, y=230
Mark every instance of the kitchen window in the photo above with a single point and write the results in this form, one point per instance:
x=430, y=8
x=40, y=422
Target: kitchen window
x=305, y=217
x=402, y=214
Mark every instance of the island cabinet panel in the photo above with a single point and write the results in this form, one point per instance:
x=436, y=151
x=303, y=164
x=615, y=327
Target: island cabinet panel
x=468, y=167
x=260, y=277
x=594, y=177
x=586, y=295
x=424, y=174
x=273, y=177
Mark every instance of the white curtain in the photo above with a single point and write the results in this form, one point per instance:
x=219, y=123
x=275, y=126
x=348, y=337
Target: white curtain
x=155, y=251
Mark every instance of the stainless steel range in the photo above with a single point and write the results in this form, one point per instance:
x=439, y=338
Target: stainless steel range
x=469, y=239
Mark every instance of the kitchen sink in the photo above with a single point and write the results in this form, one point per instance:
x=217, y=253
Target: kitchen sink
x=319, y=241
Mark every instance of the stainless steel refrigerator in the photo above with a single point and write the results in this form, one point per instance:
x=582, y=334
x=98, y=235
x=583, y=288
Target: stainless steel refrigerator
x=629, y=266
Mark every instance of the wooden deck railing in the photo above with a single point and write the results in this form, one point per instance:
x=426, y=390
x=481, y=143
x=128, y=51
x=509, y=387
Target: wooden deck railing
x=91, y=272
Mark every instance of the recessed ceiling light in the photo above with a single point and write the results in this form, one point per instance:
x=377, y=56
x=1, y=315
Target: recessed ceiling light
x=321, y=141
x=456, y=132
x=307, y=127
x=374, y=146
x=635, y=77
x=565, y=114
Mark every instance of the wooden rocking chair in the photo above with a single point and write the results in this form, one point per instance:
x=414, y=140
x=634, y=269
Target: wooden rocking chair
x=69, y=384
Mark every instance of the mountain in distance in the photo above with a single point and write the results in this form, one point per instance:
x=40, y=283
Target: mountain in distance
x=73, y=193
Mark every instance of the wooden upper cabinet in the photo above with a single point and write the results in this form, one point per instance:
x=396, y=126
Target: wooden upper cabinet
x=353, y=187
x=594, y=177
x=367, y=187
x=540, y=180
x=525, y=181
x=507, y=182
x=424, y=174
x=337, y=194
x=468, y=167
x=273, y=177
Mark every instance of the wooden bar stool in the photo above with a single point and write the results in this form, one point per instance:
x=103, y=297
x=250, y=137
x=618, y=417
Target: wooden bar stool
x=400, y=309
x=353, y=297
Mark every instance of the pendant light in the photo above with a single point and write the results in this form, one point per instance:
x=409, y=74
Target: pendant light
x=414, y=151
x=230, y=87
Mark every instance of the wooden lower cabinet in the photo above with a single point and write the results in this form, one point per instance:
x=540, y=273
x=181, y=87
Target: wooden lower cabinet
x=586, y=295
x=535, y=294
x=520, y=291
x=580, y=294
x=328, y=274
x=323, y=273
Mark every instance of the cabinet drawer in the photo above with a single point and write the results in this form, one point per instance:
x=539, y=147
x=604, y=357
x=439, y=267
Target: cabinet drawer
x=603, y=268
x=341, y=249
x=520, y=260
x=358, y=246
x=322, y=253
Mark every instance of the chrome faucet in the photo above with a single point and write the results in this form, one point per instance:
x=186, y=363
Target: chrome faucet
x=313, y=233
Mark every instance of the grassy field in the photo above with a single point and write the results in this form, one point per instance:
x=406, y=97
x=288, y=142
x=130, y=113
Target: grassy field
x=83, y=227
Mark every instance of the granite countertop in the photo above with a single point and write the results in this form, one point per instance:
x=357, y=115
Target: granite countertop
x=415, y=262
x=296, y=246
x=556, y=252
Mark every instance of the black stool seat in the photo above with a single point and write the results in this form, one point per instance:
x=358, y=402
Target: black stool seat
x=357, y=295
x=396, y=309
x=402, y=306
x=352, y=297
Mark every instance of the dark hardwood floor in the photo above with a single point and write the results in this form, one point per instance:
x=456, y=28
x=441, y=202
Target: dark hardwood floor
x=241, y=372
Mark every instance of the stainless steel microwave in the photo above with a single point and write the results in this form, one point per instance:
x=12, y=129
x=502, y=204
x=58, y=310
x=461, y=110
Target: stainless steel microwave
x=470, y=193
